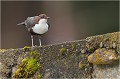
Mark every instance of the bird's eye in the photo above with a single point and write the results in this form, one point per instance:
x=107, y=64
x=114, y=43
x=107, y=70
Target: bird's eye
x=42, y=17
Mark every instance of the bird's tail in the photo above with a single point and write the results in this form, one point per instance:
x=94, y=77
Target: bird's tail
x=22, y=23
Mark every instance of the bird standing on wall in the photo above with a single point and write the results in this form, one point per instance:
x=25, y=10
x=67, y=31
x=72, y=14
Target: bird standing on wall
x=36, y=25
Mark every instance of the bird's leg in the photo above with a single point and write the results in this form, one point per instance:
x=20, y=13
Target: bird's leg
x=32, y=40
x=40, y=40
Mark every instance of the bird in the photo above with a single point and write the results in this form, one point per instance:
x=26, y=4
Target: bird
x=36, y=25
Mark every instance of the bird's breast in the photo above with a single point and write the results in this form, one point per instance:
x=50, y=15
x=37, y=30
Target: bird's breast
x=40, y=28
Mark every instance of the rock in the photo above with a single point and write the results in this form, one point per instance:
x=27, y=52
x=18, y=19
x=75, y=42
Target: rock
x=5, y=72
x=106, y=71
x=14, y=70
x=65, y=60
x=103, y=56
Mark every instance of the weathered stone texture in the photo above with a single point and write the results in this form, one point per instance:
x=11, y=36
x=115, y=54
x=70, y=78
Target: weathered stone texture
x=103, y=56
x=65, y=60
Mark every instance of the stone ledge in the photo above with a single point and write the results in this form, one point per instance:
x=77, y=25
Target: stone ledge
x=64, y=60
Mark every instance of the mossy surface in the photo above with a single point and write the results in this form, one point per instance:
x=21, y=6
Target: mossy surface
x=3, y=50
x=65, y=60
x=26, y=48
x=28, y=67
x=82, y=65
x=74, y=46
x=63, y=51
x=103, y=56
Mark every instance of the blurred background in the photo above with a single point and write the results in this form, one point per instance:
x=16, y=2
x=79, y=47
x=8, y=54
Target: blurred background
x=70, y=20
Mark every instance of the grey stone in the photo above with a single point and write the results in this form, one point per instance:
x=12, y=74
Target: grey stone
x=5, y=72
x=57, y=65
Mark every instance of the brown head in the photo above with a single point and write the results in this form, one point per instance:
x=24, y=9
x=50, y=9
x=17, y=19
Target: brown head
x=43, y=16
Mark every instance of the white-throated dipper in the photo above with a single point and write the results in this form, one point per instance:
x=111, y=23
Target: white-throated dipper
x=36, y=25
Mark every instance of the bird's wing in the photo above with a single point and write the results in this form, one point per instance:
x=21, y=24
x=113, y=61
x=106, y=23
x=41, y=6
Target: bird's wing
x=31, y=21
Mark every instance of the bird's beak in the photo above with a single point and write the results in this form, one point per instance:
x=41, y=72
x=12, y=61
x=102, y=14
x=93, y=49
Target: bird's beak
x=47, y=17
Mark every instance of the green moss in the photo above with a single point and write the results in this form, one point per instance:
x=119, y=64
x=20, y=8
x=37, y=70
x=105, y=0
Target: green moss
x=63, y=51
x=26, y=48
x=40, y=76
x=82, y=65
x=27, y=68
x=34, y=54
x=74, y=46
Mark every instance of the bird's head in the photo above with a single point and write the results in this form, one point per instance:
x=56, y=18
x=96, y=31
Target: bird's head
x=43, y=18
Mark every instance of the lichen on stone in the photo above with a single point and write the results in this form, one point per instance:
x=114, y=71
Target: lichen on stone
x=74, y=46
x=103, y=56
x=63, y=51
x=26, y=48
x=3, y=50
x=62, y=60
x=82, y=65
